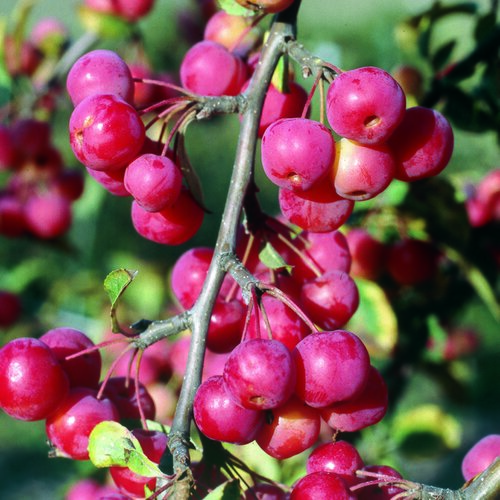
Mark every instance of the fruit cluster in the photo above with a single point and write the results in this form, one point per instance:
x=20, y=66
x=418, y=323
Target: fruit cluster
x=39, y=192
x=57, y=378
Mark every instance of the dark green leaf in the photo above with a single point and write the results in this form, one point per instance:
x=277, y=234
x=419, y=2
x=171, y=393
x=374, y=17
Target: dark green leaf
x=485, y=24
x=442, y=55
x=230, y=490
x=115, y=284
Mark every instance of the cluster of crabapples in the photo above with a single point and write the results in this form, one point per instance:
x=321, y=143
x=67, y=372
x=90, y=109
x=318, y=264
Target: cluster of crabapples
x=38, y=195
x=57, y=378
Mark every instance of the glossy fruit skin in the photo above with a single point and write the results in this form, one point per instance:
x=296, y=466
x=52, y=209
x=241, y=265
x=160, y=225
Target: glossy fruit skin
x=32, y=382
x=367, y=408
x=481, y=456
x=188, y=274
x=219, y=418
x=331, y=299
x=153, y=444
x=361, y=172
x=106, y=133
x=227, y=322
x=289, y=430
x=314, y=216
x=339, y=457
x=321, y=485
x=208, y=68
x=48, y=215
x=82, y=371
x=154, y=181
x=100, y=72
x=69, y=427
x=332, y=366
x=111, y=180
x=422, y=144
x=173, y=225
x=365, y=105
x=297, y=152
x=259, y=374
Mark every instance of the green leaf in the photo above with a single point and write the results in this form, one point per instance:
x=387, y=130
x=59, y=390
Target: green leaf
x=115, y=284
x=234, y=8
x=271, y=258
x=103, y=24
x=281, y=75
x=112, y=444
x=442, y=55
x=230, y=490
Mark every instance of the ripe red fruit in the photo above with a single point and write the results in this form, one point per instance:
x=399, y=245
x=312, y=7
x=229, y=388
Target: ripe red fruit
x=188, y=274
x=422, y=144
x=154, y=181
x=314, y=216
x=82, y=371
x=361, y=172
x=69, y=427
x=153, y=444
x=48, y=215
x=111, y=180
x=331, y=366
x=340, y=457
x=365, y=105
x=100, y=72
x=220, y=418
x=381, y=491
x=173, y=225
x=367, y=408
x=297, y=152
x=289, y=430
x=10, y=308
x=278, y=105
x=368, y=254
x=411, y=261
x=208, y=68
x=321, y=485
x=12, y=220
x=32, y=382
x=259, y=374
x=121, y=391
x=330, y=299
x=106, y=133
x=481, y=456
x=226, y=325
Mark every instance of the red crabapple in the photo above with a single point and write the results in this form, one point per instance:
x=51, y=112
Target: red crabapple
x=220, y=418
x=226, y=325
x=48, y=215
x=208, y=68
x=481, y=456
x=314, y=216
x=366, y=409
x=321, y=485
x=361, y=172
x=154, y=181
x=383, y=490
x=422, y=144
x=259, y=374
x=10, y=308
x=331, y=366
x=32, y=382
x=111, y=180
x=173, y=225
x=368, y=254
x=289, y=430
x=106, y=132
x=100, y=72
x=297, y=153
x=69, y=426
x=330, y=299
x=339, y=457
x=82, y=371
x=365, y=105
